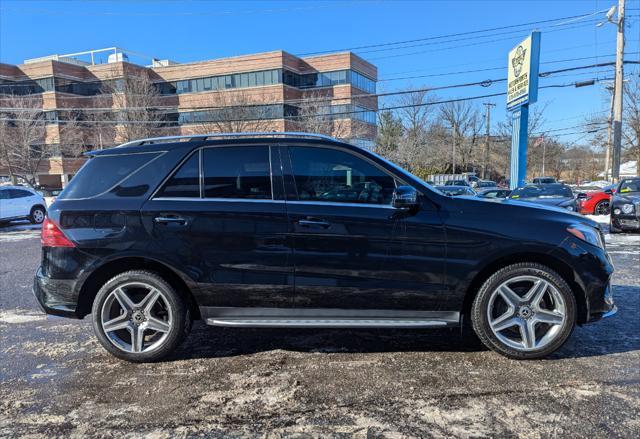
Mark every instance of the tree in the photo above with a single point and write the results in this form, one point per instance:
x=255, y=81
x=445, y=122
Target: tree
x=22, y=136
x=466, y=124
x=135, y=100
x=234, y=112
x=390, y=132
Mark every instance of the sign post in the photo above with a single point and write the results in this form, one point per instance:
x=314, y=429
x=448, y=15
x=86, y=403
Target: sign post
x=522, y=90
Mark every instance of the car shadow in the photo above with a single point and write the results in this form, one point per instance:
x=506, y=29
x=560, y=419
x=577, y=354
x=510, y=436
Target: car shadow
x=617, y=334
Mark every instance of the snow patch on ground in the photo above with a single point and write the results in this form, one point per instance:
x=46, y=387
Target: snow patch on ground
x=20, y=316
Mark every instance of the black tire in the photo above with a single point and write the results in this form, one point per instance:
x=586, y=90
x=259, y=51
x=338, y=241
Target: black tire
x=600, y=206
x=613, y=229
x=480, y=319
x=180, y=327
x=37, y=214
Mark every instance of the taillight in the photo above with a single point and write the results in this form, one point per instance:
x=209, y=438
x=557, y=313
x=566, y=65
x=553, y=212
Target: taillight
x=52, y=236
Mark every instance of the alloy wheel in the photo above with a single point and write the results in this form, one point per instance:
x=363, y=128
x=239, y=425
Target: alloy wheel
x=38, y=216
x=526, y=313
x=602, y=208
x=136, y=317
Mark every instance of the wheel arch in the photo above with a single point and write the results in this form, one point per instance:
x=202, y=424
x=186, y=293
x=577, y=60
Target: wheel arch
x=111, y=268
x=554, y=263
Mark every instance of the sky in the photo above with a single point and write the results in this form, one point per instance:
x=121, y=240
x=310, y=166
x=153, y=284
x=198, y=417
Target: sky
x=189, y=31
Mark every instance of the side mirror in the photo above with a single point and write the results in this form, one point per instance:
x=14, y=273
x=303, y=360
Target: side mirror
x=581, y=196
x=405, y=197
x=608, y=192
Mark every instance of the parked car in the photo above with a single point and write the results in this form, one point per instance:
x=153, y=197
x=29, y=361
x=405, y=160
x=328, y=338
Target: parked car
x=543, y=180
x=457, y=183
x=485, y=184
x=494, y=193
x=625, y=206
x=548, y=194
x=596, y=202
x=455, y=191
x=250, y=230
x=21, y=202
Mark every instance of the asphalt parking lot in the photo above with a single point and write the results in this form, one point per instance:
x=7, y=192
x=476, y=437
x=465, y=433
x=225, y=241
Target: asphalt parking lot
x=55, y=380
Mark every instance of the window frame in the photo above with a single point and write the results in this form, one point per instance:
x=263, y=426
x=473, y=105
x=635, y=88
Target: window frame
x=271, y=149
x=290, y=177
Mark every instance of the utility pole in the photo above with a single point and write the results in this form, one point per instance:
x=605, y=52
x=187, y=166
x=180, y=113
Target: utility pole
x=607, y=156
x=453, y=149
x=487, y=106
x=618, y=94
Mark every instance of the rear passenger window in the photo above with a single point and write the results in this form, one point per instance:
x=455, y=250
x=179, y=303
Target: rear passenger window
x=185, y=183
x=237, y=172
x=19, y=193
x=102, y=173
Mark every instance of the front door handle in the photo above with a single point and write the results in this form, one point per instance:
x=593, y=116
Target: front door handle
x=313, y=222
x=170, y=220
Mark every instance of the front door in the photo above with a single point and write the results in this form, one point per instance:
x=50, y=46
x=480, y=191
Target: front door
x=218, y=217
x=350, y=244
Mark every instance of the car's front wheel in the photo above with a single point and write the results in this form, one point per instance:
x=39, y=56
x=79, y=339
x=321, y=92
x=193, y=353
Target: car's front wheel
x=139, y=317
x=524, y=311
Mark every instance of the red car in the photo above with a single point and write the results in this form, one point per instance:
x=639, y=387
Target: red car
x=596, y=203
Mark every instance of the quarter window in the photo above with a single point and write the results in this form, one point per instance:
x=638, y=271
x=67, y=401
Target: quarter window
x=336, y=176
x=237, y=172
x=185, y=183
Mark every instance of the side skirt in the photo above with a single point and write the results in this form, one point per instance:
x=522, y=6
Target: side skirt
x=328, y=318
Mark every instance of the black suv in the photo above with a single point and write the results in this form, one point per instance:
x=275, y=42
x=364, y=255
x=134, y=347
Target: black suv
x=297, y=230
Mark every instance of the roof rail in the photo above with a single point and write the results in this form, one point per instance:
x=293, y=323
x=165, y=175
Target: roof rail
x=202, y=137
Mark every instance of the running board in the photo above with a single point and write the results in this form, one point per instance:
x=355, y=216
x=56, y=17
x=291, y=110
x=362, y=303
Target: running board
x=306, y=322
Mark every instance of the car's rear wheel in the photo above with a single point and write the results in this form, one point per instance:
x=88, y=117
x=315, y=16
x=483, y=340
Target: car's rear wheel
x=524, y=311
x=139, y=317
x=602, y=208
x=37, y=214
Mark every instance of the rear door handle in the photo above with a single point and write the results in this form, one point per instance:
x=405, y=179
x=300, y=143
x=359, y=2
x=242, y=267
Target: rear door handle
x=314, y=223
x=170, y=220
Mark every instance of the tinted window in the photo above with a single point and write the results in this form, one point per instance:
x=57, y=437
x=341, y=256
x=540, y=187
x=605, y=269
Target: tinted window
x=237, y=172
x=186, y=180
x=4, y=194
x=101, y=173
x=543, y=191
x=19, y=193
x=336, y=176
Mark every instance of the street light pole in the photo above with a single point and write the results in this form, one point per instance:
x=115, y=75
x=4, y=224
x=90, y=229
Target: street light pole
x=618, y=94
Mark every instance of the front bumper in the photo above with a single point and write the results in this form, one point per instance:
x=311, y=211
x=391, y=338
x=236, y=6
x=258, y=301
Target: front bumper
x=55, y=296
x=629, y=222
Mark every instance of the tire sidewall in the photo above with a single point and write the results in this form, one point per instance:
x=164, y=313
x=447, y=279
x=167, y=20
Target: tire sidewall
x=180, y=315
x=595, y=209
x=481, y=321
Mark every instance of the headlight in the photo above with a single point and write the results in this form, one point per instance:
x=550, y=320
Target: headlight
x=627, y=208
x=586, y=234
x=617, y=211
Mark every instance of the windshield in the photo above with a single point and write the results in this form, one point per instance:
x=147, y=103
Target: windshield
x=547, y=191
x=628, y=186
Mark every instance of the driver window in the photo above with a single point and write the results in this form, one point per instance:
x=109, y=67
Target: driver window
x=331, y=175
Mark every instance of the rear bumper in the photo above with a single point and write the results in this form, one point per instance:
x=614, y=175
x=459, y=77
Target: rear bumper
x=55, y=296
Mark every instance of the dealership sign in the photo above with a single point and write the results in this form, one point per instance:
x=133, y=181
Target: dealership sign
x=522, y=79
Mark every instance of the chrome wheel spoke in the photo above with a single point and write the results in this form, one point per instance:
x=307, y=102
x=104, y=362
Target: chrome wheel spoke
x=536, y=292
x=149, y=300
x=549, y=317
x=156, y=324
x=120, y=322
x=137, y=338
x=505, y=321
x=509, y=296
x=123, y=299
x=528, y=334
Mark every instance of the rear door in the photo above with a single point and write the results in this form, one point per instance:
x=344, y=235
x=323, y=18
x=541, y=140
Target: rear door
x=21, y=201
x=221, y=218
